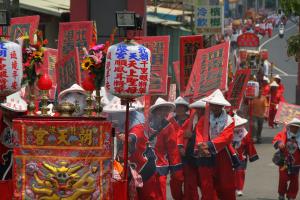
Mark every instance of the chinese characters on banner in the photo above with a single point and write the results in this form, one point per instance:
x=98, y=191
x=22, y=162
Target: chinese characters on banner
x=172, y=93
x=49, y=64
x=286, y=112
x=127, y=70
x=237, y=88
x=67, y=71
x=248, y=40
x=21, y=26
x=11, y=70
x=211, y=69
x=72, y=35
x=86, y=155
x=209, y=19
x=189, y=46
x=159, y=47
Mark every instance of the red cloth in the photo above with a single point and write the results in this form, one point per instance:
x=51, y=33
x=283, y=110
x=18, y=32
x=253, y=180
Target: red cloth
x=176, y=188
x=291, y=189
x=247, y=149
x=163, y=186
x=151, y=189
x=6, y=190
x=276, y=98
x=270, y=32
x=265, y=90
x=219, y=178
x=280, y=90
x=191, y=182
x=239, y=179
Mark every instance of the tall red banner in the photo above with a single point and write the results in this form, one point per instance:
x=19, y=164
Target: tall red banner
x=189, y=46
x=49, y=67
x=68, y=71
x=74, y=35
x=159, y=47
x=237, y=88
x=211, y=69
x=60, y=158
x=286, y=112
x=20, y=26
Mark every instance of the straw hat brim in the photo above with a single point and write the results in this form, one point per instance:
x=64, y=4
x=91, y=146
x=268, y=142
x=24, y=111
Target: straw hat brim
x=167, y=104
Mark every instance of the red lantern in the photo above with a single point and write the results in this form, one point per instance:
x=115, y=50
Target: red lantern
x=243, y=54
x=264, y=54
x=88, y=84
x=44, y=82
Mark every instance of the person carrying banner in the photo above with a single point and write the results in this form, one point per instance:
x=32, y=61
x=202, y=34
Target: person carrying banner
x=288, y=143
x=243, y=143
x=163, y=139
x=14, y=107
x=275, y=99
x=213, y=136
x=186, y=143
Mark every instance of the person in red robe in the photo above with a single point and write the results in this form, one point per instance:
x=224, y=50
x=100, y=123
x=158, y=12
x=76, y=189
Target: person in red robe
x=245, y=148
x=265, y=88
x=14, y=107
x=180, y=122
x=163, y=139
x=275, y=98
x=288, y=143
x=281, y=89
x=213, y=135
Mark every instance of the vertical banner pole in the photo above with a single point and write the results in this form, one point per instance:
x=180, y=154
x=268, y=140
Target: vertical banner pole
x=126, y=150
x=250, y=116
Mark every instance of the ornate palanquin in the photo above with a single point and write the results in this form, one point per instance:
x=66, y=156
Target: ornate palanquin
x=62, y=159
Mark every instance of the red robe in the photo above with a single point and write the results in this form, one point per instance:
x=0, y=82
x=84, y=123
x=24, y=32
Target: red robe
x=288, y=174
x=266, y=90
x=276, y=98
x=217, y=175
x=280, y=89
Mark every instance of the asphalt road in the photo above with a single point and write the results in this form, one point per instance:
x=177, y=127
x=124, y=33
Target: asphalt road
x=262, y=175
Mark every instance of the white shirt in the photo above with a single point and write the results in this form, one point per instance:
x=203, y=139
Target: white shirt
x=266, y=68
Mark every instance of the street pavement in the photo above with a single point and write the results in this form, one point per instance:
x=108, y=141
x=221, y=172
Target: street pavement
x=262, y=175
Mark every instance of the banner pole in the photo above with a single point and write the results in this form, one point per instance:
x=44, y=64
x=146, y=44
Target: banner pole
x=126, y=150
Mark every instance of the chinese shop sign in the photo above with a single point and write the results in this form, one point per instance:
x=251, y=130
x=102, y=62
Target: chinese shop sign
x=209, y=19
x=237, y=88
x=72, y=35
x=21, y=26
x=248, y=40
x=127, y=70
x=67, y=71
x=11, y=70
x=286, y=112
x=159, y=47
x=211, y=69
x=81, y=147
x=49, y=64
x=189, y=46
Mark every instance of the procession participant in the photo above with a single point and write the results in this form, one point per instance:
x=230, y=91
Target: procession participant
x=180, y=122
x=186, y=142
x=288, y=143
x=265, y=87
x=277, y=78
x=269, y=27
x=243, y=143
x=163, y=138
x=217, y=175
x=75, y=95
x=260, y=105
x=14, y=107
x=275, y=99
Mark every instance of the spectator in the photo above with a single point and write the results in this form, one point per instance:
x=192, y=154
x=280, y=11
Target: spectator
x=259, y=105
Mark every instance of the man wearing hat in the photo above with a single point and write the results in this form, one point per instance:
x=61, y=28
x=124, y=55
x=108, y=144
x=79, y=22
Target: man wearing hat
x=288, y=143
x=213, y=138
x=14, y=107
x=243, y=144
x=275, y=99
x=163, y=138
x=265, y=88
x=187, y=142
x=277, y=78
x=180, y=122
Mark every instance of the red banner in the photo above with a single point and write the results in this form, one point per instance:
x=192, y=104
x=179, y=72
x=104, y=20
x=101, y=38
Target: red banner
x=48, y=67
x=172, y=93
x=54, y=153
x=237, y=88
x=159, y=47
x=176, y=70
x=211, y=69
x=248, y=40
x=20, y=26
x=286, y=112
x=72, y=35
x=190, y=88
x=68, y=71
x=189, y=46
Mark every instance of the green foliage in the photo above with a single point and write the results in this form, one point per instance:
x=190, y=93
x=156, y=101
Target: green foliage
x=290, y=7
x=294, y=46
